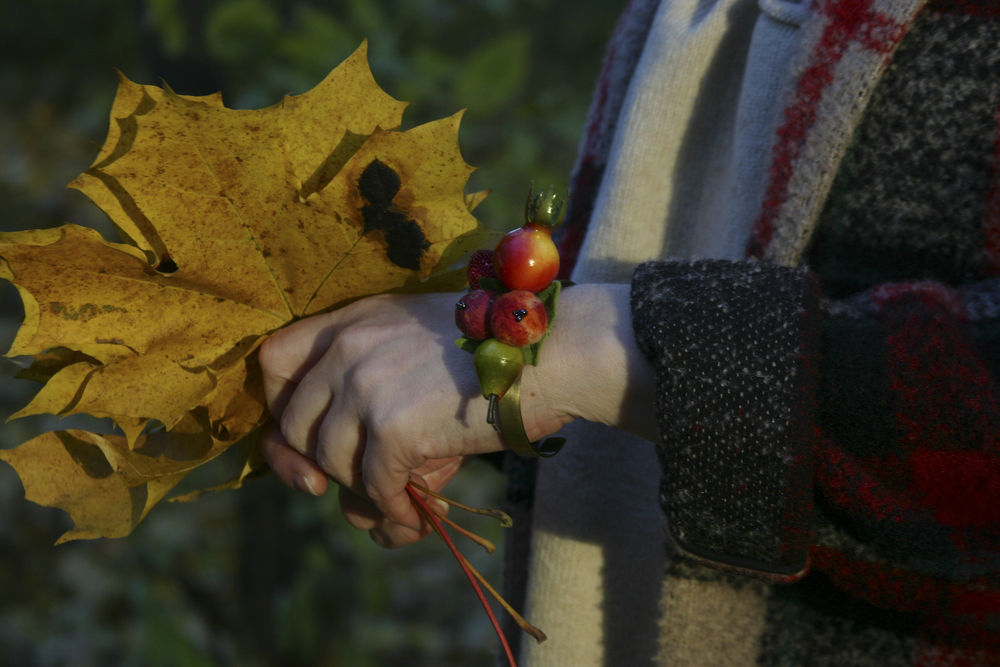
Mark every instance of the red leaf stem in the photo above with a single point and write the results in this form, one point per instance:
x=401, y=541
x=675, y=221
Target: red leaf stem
x=466, y=567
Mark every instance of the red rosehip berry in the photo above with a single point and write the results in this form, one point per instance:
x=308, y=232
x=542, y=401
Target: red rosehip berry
x=480, y=266
x=472, y=314
x=527, y=258
x=518, y=318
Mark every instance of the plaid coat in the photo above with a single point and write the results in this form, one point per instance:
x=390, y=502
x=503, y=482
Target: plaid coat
x=830, y=409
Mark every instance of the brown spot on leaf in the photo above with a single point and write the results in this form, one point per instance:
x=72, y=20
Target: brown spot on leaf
x=82, y=313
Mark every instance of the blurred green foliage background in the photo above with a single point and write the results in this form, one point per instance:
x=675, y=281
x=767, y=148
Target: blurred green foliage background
x=263, y=576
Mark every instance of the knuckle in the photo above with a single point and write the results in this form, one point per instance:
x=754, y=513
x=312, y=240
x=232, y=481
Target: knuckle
x=387, y=426
x=373, y=480
x=372, y=489
x=271, y=354
x=361, y=381
x=294, y=429
x=353, y=342
x=325, y=460
x=290, y=431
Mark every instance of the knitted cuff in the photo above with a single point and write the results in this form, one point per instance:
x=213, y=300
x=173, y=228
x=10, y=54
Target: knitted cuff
x=733, y=344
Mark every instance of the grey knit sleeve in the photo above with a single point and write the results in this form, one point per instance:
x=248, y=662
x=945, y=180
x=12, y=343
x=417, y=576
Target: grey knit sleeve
x=734, y=348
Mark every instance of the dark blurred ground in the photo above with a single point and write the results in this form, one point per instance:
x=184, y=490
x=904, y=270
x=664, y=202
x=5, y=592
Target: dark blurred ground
x=262, y=576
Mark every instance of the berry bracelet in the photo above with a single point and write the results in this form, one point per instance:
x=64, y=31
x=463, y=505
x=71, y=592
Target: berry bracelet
x=506, y=315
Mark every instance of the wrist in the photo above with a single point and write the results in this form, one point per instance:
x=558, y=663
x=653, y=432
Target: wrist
x=590, y=367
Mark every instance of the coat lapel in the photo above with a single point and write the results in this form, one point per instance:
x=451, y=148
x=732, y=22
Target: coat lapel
x=847, y=46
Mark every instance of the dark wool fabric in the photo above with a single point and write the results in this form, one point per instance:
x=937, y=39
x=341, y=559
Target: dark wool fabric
x=730, y=343
x=908, y=463
x=904, y=443
x=911, y=196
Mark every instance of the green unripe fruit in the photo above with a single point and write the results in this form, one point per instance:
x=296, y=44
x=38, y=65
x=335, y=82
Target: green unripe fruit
x=497, y=366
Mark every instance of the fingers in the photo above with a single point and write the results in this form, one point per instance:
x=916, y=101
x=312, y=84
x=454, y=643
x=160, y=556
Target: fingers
x=355, y=401
x=362, y=514
x=294, y=469
x=338, y=447
x=289, y=354
x=303, y=474
x=304, y=412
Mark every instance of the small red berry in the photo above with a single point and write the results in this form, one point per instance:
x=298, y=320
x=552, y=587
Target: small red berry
x=518, y=318
x=480, y=266
x=527, y=258
x=472, y=314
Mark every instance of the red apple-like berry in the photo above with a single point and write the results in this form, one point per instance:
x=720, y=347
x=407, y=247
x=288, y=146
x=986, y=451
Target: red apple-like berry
x=518, y=318
x=472, y=314
x=480, y=266
x=527, y=258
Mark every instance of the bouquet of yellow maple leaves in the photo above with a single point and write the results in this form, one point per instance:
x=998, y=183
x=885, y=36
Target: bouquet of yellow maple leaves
x=235, y=223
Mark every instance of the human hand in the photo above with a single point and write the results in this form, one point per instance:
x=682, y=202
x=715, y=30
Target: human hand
x=376, y=393
x=373, y=394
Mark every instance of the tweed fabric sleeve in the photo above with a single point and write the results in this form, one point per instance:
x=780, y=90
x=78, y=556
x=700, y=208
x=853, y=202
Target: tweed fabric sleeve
x=733, y=345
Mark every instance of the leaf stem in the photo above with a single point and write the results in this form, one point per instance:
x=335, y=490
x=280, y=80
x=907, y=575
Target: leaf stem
x=502, y=517
x=520, y=620
x=467, y=568
x=468, y=534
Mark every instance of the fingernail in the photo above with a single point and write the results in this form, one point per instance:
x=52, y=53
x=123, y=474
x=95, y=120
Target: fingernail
x=440, y=505
x=303, y=484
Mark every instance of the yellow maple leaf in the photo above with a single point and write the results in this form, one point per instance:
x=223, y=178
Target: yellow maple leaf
x=236, y=223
